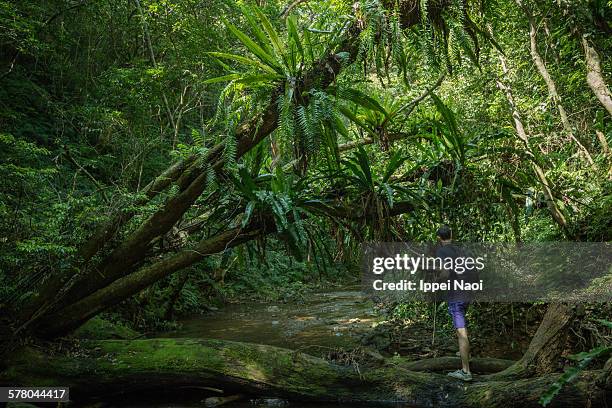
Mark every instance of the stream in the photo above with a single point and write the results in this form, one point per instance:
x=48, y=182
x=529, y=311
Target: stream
x=318, y=324
x=323, y=320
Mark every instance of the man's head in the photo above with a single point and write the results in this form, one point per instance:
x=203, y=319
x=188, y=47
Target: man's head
x=444, y=233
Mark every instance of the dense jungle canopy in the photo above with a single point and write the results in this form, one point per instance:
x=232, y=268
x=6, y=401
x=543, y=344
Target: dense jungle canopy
x=159, y=155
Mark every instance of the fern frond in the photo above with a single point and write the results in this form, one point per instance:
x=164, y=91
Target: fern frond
x=466, y=45
x=230, y=149
x=286, y=119
x=307, y=130
x=424, y=9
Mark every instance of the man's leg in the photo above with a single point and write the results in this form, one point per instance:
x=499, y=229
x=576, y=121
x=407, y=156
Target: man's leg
x=464, y=348
x=457, y=311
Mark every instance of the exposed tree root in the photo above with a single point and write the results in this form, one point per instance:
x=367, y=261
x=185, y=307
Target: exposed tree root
x=477, y=365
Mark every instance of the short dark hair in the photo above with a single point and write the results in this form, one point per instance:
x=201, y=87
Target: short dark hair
x=444, y=232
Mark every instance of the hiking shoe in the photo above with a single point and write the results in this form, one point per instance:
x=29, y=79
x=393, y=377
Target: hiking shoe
x=461, y=375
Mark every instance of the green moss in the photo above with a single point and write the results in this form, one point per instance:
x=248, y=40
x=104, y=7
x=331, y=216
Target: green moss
x=164, y=355
x=100, y=329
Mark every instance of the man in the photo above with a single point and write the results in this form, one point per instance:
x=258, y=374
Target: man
x=458, y=302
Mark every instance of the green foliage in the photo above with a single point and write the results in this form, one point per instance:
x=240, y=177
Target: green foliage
x=20, y=31
x=279, y=278
x=277, y=195
x=25, y=175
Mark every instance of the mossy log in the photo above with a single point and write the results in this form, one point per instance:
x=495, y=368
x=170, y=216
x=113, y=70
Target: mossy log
x=102, y=370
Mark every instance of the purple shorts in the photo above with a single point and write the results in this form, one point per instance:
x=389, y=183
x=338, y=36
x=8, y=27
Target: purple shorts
x=457, y=312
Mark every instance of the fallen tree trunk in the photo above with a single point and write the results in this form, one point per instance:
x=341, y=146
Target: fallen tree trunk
x=79, y=312
x=115, y=368
x=477, y=365
x=103, y=234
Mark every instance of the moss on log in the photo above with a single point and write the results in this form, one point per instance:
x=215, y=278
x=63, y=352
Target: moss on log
x=100, y=329
x=101, y=369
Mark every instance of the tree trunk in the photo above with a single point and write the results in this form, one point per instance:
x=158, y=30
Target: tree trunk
x=550, y=83
x=69, y=318
x=111, y=368
x=522, y=134
x=546, y=346
x=582, y=19
x=605, y=149
x=595, y=78
x=176, y=294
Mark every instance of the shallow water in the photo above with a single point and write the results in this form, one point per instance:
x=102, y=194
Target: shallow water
x=323, y=321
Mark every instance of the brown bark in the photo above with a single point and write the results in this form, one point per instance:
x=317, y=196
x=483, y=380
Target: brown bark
x=595, y=77
x=522, y=135
x=550, y=83
x=546, y=346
